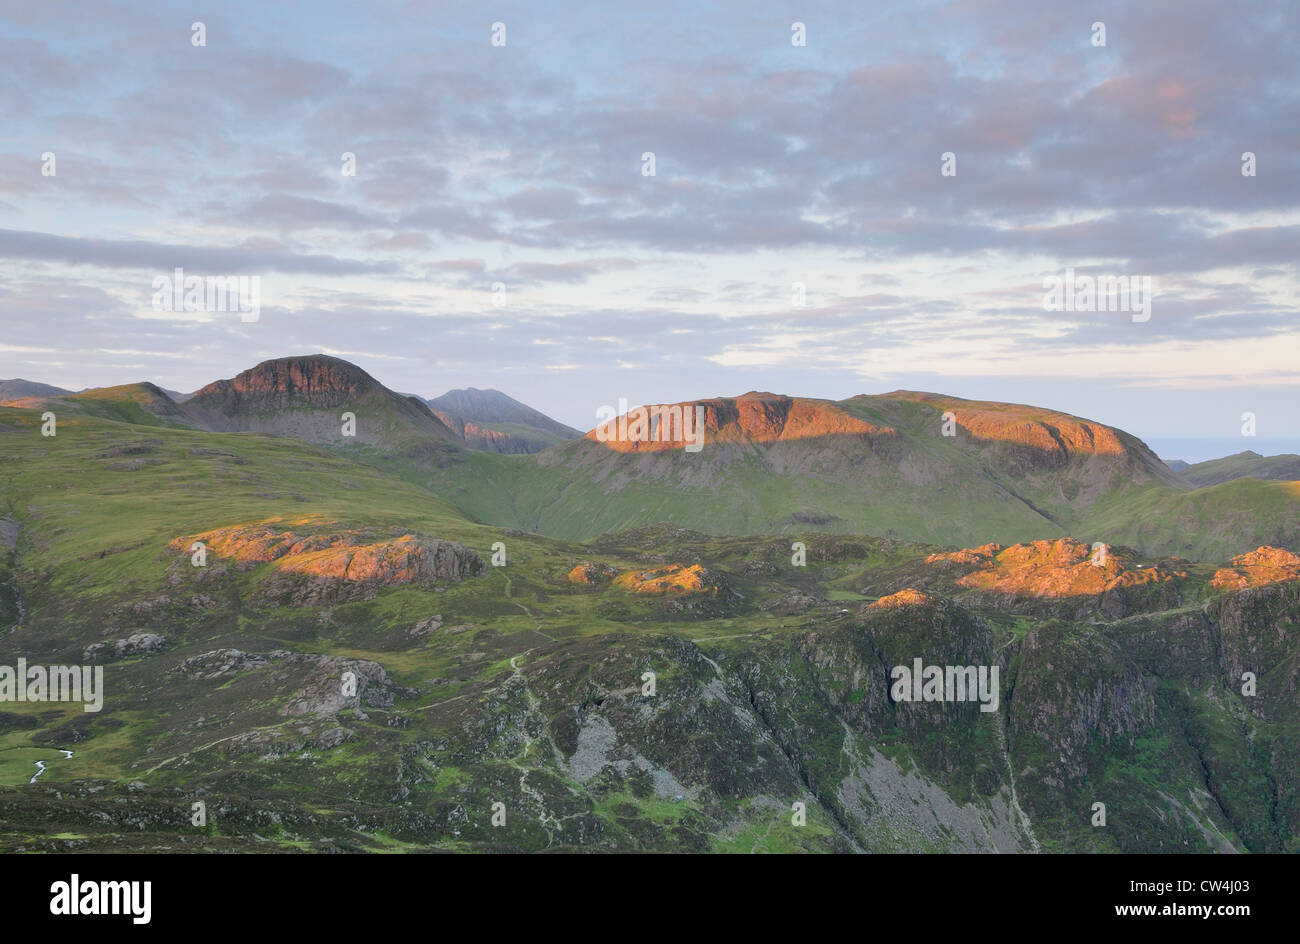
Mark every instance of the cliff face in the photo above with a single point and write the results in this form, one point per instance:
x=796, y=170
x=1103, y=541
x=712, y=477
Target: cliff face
x=481, y=437
x=319, y=381
x=757, y=418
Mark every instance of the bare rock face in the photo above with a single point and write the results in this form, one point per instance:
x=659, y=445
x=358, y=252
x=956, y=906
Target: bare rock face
x=288, y=381
x=481, y=437
x=750, y=418
x=1260, y=567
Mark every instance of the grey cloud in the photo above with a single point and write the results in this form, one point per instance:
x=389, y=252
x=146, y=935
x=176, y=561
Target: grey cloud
x=141, y=254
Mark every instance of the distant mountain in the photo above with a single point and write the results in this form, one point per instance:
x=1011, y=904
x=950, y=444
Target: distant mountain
x=18, y=388
x=492, y=421
x=902, y=465
x=1177, y=465
x=306, y=397
x=1285, y=468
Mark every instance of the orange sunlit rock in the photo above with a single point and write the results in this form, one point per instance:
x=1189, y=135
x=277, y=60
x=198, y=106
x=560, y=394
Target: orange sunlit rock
x=753, y=417
x=1057, y=569
x=908, y=597
x=338, y=554
x=673, y=579
x=974, y=555
x=1045, y=430
x=1259, y=567
x=591, y=573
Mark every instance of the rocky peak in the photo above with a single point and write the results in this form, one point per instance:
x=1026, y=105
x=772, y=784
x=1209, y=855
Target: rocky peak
x=316, y=379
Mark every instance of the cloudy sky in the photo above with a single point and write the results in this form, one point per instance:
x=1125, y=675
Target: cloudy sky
x=522, y=164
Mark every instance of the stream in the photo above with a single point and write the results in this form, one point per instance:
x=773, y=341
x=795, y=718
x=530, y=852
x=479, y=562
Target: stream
x=18, y=602
x=40, y=764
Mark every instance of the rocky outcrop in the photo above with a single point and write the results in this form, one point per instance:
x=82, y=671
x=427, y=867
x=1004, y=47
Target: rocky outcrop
x=334, y=684
x=589, y=572
x=317, y=551
x=1260, y=567
x=908, y=597
x=1080, y=577
x=223, y=663
x=967, y=558
x=673, y=580
x=134, y=645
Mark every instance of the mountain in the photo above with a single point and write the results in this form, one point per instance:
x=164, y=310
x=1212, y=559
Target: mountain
x=906, y=465
x=490, y=420
x=18, y=388
x=345, y=637
x=305, y=397
x=1284, y=468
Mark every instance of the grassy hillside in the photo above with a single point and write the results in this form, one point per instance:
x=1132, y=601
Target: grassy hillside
x=1285, y=468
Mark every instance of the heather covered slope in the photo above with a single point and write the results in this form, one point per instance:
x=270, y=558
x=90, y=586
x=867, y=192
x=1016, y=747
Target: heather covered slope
x=520, y=684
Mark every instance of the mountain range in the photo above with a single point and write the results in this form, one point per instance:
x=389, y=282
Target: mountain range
x=381, y=641
x=905, y=465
